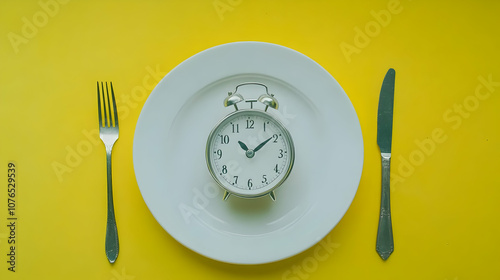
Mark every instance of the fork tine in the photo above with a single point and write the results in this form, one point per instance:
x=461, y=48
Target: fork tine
x=110, y=124
x=99, y=105
x=114, y=104
x=104, y=102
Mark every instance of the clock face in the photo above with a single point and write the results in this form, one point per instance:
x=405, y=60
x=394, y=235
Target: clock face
x=249, y=153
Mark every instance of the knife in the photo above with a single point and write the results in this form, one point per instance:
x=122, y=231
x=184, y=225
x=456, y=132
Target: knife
x=385, y=242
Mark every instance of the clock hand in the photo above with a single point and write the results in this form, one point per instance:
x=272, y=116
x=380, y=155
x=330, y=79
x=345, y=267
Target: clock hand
x=262, y=145
x=243, y=146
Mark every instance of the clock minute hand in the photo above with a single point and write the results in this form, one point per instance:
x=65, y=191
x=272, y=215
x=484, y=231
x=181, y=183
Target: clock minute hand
x=243, y=146
x=262, y=145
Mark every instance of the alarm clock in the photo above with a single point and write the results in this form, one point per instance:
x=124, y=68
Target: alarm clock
x=249, y=152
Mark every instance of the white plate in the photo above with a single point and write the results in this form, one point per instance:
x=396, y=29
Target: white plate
x=169, y=154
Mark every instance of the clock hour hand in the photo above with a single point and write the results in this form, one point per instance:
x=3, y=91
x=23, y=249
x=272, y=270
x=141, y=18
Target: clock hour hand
x=243, y=146
x=262, y=145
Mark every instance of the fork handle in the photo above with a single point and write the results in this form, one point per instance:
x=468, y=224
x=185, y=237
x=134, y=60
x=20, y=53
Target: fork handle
x=111, y=230
x=385, y=241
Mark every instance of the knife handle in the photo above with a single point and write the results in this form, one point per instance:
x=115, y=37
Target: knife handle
x=385, y=242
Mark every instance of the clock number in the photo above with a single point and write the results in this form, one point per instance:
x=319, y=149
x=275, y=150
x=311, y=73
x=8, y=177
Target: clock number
x=219, y=153
x=224, y=169
x=249, y=183
x=265, y=126
x=264, y=179
x=236, y=128
x=275, y=138
x=281, y=154
x=224, y=139
x=235, y=180
x=250, y=124
x=276, y=168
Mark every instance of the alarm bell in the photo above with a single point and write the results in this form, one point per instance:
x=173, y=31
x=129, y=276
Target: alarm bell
x=269, y=101
x=232, y=99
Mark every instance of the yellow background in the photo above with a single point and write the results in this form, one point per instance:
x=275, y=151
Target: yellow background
x=445, y=203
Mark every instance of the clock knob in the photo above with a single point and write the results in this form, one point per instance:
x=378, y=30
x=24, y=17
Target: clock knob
x=269, y=101
x=232, y=99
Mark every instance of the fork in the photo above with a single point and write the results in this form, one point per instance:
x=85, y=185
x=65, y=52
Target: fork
x=108, y=131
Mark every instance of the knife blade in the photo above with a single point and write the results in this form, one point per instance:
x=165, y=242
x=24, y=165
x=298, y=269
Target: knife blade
x=385, y=241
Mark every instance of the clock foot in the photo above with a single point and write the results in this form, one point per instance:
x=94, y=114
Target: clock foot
x=272, y=195
x=226, y=195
